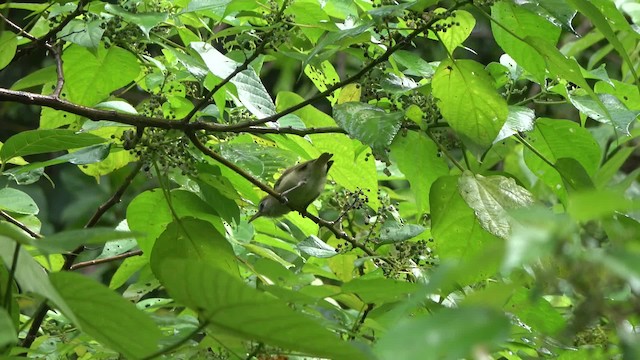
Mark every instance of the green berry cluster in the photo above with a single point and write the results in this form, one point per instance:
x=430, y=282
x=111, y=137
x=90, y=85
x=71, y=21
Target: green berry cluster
x=168, y=149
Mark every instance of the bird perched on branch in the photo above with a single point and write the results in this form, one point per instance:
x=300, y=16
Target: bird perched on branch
x=300, y=185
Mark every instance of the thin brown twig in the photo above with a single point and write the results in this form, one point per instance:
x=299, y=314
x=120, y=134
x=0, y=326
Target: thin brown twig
x=125, y=255
x=20, y=31
x=57, y=55
x=115, y=198
x=22, y=226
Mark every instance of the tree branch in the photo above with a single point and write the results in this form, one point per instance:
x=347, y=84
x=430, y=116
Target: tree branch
x=125, y=255
x=22, y=226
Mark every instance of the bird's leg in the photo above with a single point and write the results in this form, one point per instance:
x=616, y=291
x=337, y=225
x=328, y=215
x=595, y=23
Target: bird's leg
x=284, y=193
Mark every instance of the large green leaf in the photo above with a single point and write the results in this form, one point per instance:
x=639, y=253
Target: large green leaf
x=89, y=155
x=44, y=141
x=8, y=46
x=193, y=240
x=491, y=198
x=469, y=102
x=251, y=91
x=8, y=333
x=512, y=19
x=447, y=334
x=90, y=78
x=601, y=18
x=106, y=316
x=16, y=201
x=232, y=307
x=618, y=115
x=369, y=124
x=453, y=36
x=554, y=139
x=31, y=277
x=457, y=235
x=149, y=214
x=415, y=148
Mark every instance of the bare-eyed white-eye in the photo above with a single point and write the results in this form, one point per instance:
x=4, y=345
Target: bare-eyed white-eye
x=300, y=184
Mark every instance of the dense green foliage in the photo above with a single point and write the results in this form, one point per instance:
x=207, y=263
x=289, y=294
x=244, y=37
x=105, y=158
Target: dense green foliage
x=482, y=202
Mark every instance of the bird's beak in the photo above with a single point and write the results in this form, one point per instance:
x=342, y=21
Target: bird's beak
x=255, y=216
x=325, y=159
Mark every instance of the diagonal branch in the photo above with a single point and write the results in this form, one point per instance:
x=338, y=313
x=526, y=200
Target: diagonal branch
x=125, y=255
x=22, y=226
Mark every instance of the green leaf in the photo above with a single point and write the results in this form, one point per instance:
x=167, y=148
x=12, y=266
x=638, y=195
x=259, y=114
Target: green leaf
x=231, y=307
x=69, y=240
x=469, y=102
x=573, y=174
x=535, y=312
x=117, y=105
x=416, y=148
x=415, y=65
x=31, y=277
x=16, y=201
x=380, y=290
x=521, y=22
x=90, y=78
x=491, y=198
x=457, y=235
x=557, y=13
x=193, y=240
x=520, y=119
x=617, y=113
x=392, y=231
x=86, y=34
x=38, y=77
x=89, y=155
x=563, y=67
x=145, y=21
x=251, y=91
x=555, y=139
x=447, y=334
x=369, y=124
x=537, y=235
x=8, y=333
x=106, y=316
x=184, y=203
x=44, y=141
x=8, y=47
x=599, y=18
x=454, y=36
x=590, y=205
x=315, y=247
x=612, y=166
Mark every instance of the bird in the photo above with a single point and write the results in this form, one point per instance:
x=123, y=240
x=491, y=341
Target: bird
x=300, y=185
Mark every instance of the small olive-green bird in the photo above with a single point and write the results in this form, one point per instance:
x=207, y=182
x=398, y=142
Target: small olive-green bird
x=300, y=184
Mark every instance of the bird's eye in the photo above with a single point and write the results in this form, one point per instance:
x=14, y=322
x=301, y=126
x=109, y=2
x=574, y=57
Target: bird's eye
x=261, y=206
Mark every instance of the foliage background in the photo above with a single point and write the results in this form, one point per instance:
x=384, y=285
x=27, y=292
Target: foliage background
x=482, y=204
